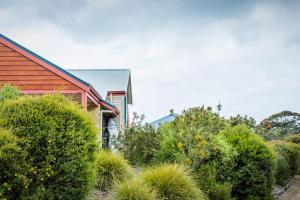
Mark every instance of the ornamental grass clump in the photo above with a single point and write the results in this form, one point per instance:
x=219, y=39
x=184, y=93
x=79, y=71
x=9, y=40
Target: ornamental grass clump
x=133, y=189
x=172, y=182
x=110, y=168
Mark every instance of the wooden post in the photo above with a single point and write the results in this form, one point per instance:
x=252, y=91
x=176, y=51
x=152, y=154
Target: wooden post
x=84, y=100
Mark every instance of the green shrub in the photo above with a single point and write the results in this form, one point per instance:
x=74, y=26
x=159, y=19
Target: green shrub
x=140, y=142
x=60, y=140
x=172, y=182
x=133, y=190
x=253, y=174
x=283, y=171
x=109, y=169
x=9, y=92
x=288, y=160
x=192, y=139
x=293, y=138
x=207, y=176
x=13, y=180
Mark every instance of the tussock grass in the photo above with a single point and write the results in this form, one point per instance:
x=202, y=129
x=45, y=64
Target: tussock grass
x=110, y=168
x=133, y=190
x=172, y=182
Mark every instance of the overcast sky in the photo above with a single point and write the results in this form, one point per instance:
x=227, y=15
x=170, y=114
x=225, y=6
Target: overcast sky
x=182, y=53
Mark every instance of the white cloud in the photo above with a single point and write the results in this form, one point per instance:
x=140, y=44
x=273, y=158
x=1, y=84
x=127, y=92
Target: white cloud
x=249, y=62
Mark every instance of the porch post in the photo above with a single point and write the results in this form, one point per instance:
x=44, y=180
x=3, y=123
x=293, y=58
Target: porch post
x=84, y=100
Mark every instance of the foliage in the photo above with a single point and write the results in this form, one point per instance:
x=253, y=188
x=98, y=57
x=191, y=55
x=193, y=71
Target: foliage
x=133, y=189
x=288, y=159
x=60, y=140
x=110, y=168
x=253, y=173
x=208, y=178
x=12, y=167
x=279, y=125
x=140, y=142
x=187, y=138
x=293, y=138
x=9, y=92
x=172, y=182
x=192, y=139
x=239, y=120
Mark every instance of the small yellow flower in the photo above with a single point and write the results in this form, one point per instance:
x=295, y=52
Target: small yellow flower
x=198, y=137
x=180, y=145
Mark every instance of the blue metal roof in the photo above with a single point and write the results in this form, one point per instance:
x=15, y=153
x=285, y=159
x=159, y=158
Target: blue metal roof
x=165, y=119
x=105, y=80
x=43, y=59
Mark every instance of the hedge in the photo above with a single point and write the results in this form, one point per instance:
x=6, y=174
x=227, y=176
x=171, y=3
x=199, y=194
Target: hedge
x=61, y=141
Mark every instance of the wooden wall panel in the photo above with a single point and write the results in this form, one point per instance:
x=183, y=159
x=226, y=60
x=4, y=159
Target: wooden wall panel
x=18, y=70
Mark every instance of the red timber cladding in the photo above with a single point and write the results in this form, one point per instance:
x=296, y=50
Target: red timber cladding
x=18, y=70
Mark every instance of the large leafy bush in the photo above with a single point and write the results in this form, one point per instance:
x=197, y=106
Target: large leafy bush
x=60, y=140
x=172, y=182
x=109, y=169
x=253, y=173
x=192, y=139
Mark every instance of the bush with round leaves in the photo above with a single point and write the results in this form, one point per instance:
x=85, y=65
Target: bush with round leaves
x=172, y=182
x=61, y=141
x=253, y=173
x=133, y=189
x=110, y=168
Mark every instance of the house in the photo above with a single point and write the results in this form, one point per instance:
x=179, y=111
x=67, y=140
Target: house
x=169, y=118
x=35, y=75
x=114, y=85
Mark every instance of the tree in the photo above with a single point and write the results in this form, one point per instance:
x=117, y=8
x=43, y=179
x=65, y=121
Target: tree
x=219, y=107
x=279, y=125
x=239, y=120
